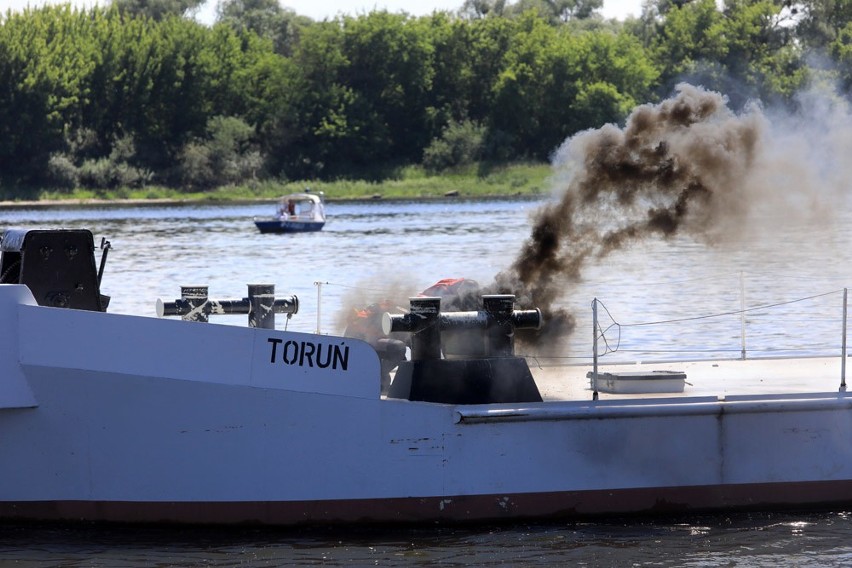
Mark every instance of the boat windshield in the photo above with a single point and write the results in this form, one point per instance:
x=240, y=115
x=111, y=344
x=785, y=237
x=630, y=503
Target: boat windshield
x=295, y=208
x=301, y=207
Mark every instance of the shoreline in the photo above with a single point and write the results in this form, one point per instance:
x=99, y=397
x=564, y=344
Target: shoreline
x=170, y=202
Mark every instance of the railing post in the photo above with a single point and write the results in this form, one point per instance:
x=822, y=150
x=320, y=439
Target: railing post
x=595, y=349
x=742, y=317
x=843, y=341
x=260, y=305
x=319, y=306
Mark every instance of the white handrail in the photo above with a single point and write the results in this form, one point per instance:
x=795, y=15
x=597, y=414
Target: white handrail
x=843, y=349
x=319, y=305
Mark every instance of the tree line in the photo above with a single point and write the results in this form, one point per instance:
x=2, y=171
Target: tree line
x=138, y=93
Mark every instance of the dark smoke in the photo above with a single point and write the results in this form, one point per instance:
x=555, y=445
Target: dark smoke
x=675, y=168
x=688, y=166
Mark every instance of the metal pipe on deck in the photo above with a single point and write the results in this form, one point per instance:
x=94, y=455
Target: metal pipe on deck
x=631, y=409
x=497, y=321
x=260, y=305
x=463, y=357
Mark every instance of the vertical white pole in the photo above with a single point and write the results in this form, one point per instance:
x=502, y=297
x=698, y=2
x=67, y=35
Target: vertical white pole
x=843, y=354
x=595, y=349
x=319, y=306
x=742, y=317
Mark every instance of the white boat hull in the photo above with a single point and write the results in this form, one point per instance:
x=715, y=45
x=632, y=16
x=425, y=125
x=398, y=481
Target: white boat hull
x=122, y=418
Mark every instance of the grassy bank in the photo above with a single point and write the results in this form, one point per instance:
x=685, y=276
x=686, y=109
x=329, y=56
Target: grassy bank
x=411, y=183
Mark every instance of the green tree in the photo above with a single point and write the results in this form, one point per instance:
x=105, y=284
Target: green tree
x=746, y=50
x=750, y=32
x=160, y=82
x=267, y=19
x=490, y=40
x=476, y=9
x=226, y=155
x=841, y=51
x=130, y=93
x=306, y=115
x=460, y=144
x=820, y=22
x=43, y=67
x=617, y=75
x=157, y=9
x=689, y=37
x=553, y=78
x=559, y=10
x=449, y=97
x=390, y=74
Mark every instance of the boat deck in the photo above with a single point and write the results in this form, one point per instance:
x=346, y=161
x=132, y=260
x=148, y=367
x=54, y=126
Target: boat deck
x=717, y=378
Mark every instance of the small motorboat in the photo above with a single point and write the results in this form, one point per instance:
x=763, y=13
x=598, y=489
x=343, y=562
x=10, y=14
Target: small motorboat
x=296, y=213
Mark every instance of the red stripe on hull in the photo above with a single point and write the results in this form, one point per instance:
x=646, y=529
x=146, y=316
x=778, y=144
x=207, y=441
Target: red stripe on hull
x=469, y=508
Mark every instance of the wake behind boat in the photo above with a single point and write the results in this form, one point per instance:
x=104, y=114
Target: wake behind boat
x=295, y=213
x=109, y=417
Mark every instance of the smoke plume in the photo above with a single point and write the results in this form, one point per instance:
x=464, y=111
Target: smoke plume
x=687, y=166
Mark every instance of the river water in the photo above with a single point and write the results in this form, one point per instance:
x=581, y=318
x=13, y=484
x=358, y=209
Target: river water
x=778, y=292
x=790, y=279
